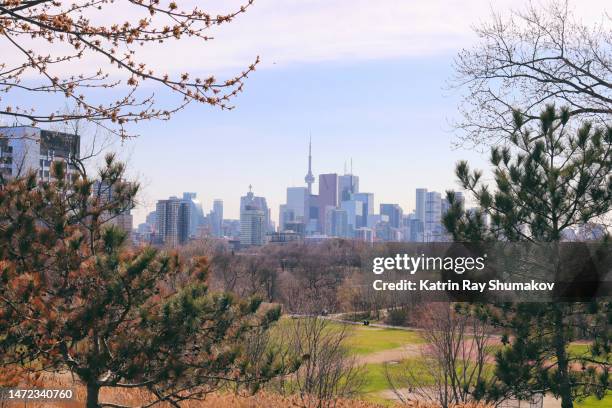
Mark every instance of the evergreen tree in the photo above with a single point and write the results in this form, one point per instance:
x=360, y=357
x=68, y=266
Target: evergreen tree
x=547, y=181
x=74, y=296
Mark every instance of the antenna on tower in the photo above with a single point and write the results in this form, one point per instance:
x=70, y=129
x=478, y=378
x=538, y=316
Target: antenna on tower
x=345, y=167
x=309, y=179
x=351, y=166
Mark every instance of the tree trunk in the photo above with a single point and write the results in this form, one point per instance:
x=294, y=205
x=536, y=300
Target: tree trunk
x=93, y=390
x=562, y=363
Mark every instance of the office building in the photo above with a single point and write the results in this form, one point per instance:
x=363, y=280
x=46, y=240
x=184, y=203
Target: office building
x=123, y=220
x=261, y=204
x=254, y=214
x=173, y=221
x=421, y=194
x=285, y=215
x=216, y=218
x=367, y=200
x=433, y=229
x=354, y=215
x=25, y=148
x=328, y=195
x=348, y=184
x=394, y=212
x=195, y=212
x=336, y=222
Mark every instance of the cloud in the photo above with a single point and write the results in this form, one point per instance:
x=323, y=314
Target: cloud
x=290, y=32
x=286, y=32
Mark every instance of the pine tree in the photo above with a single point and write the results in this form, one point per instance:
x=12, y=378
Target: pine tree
x=547, y=180
x=74, y=296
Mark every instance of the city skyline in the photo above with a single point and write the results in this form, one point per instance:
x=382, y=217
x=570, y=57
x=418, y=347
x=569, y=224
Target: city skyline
x=317, y=177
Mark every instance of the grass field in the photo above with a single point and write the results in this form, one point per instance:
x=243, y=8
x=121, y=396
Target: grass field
x=367, y=340
x=364, y=340
x=593, y=402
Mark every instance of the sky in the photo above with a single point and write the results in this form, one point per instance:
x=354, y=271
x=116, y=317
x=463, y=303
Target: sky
x=367, y=80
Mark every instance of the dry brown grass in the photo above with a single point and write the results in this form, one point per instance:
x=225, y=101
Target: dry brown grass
x=138, y=397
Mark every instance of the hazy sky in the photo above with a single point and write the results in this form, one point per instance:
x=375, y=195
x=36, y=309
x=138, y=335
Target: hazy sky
x=365, y=78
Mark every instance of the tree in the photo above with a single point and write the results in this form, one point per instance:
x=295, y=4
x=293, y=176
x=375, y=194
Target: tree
x=454, y=358
x=74, y=297
x=529, y=59
x=550, y=179
x=66, y=44
x=328, y=371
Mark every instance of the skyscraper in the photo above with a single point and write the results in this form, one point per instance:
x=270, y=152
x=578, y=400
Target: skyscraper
x=367, y=200
x=123, y=220
x=328, y=195
x=433, y=216
x=348, y=184
x=261, y=204
x=297, y=199
x=285, y=215
x=217, y=218
x=394, y=212
x=420, y=204
x=336, y=222
x=173, y=221
x=196, y=213
x=252, y=220
x=354, y=215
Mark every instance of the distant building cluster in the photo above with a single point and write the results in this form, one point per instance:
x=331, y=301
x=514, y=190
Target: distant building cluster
x=175, y=221
x=339, y=209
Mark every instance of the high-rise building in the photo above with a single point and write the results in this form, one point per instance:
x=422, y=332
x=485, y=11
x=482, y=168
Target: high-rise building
x=261, y=204
x=173, y=219
x=312, y=220
x=354, y=215
x=253, y=214
x=151, y=220
x=348, y=184
x=196, y=213
x=285, y=215
x=367, y=200
x=123, y=220
x=421, y=194
x=433, y=229
x=26, y=148
x=216, y=218
x=296, y=207
x=297, y=200
x=458, y=198
x=336, y=222
x=394, y=212
x=328, y=195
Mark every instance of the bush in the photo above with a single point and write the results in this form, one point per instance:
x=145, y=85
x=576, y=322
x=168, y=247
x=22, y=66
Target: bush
x=397, y=317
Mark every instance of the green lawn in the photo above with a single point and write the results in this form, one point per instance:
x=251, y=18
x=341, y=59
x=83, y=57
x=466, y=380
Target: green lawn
x=375, y=379
x=367, y=340
x=593, y=402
